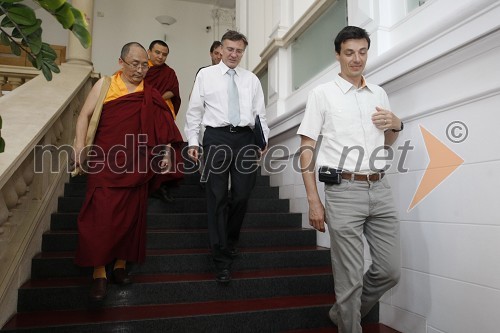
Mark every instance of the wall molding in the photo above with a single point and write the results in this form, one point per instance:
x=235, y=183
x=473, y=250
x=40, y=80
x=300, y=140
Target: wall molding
x=423, y=48
x=305, y=21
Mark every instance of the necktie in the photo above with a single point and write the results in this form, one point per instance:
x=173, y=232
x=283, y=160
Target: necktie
x=234, y=100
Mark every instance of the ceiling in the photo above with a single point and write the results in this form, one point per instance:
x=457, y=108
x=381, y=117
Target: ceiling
x=219, y=3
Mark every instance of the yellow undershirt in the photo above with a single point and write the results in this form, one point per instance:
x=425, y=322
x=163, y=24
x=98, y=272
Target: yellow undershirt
x=119, y=89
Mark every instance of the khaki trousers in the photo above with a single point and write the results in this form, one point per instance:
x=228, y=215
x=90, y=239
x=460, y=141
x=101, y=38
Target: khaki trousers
x=354, y=208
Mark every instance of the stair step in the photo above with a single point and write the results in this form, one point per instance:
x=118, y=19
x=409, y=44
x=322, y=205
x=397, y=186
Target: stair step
x=367, y=328
x=61, y=264
x=282, y=281
x=251, y=315
x=67, y=221
x=189, y=179
x=53, y=241
x=184, y=191
x=194, y=205
x=64, y=294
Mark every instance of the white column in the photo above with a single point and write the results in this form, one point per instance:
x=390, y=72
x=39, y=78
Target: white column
x=242, y=25
x=282, y=17
x=76, y=53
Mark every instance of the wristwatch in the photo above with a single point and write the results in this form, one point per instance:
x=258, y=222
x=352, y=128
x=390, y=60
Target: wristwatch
x=399, y=130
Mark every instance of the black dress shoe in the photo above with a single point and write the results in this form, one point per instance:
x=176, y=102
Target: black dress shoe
x=166, y=195
x=223, y=276
x=98, y=289
x=233, y=252
x=120, y=276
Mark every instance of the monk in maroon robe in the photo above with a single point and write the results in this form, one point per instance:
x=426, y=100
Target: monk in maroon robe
x=129, y=145
x=163, y=78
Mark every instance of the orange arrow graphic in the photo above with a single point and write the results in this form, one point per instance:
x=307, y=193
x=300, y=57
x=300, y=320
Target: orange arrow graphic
x=442, y=163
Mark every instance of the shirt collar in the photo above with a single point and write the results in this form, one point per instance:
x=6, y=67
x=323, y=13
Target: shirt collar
x=224, y=68
x=345, y=85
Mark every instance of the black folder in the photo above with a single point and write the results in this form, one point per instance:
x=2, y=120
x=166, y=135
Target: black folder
x=260, y=139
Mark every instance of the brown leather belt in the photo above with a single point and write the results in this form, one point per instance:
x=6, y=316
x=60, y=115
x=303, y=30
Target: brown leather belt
x=362, y=177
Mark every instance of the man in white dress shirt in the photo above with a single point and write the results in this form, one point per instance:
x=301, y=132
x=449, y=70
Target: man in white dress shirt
x=226, y=99
x=355, y=121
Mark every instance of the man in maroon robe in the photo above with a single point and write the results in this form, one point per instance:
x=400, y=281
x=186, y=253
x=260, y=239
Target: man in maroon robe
x=163, y=78
x=128, y=149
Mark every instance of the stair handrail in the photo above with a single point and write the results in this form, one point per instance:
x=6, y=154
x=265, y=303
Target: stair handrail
x=12, y=77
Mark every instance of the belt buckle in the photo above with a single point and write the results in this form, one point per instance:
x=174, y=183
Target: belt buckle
x=368, y=179
x=232, y=129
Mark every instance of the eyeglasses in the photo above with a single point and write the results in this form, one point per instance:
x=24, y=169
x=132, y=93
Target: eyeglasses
x=232, y=49
x=138, y=66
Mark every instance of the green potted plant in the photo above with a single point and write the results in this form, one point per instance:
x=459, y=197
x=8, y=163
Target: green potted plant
x=21, y=30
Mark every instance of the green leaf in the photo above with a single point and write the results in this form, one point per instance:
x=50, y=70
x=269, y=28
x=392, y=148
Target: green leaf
x=22, y=14
x=35, y=41
x=6, y=23
x=15, y=48
x=16, y=33
x=4, y=40
x=48, y=52
x=79, y=17
x=2, y=145
x=36, y=62
x=46, y=72
x=82, y=34
x=50, y=5
x=53, y=67
x=26, y=30
x=65, y=16
x=2, y=141
x=32, y=60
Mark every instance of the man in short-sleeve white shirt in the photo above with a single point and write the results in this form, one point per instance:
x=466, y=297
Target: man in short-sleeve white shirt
x=354, y=121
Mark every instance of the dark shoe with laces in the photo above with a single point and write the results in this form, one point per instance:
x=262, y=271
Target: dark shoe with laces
x=223, y=276
x=120, y=276
x=98, y=289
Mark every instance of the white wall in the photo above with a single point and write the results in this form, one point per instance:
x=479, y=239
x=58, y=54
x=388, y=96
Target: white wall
x=117, y=22
x=439, y=64
x=52, y=32
x=127, y=20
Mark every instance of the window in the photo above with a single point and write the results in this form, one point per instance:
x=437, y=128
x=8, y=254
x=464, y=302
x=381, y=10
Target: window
x=313, y=51
x=413, y=4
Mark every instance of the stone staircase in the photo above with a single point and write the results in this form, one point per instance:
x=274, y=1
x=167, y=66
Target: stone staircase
x=281, y=281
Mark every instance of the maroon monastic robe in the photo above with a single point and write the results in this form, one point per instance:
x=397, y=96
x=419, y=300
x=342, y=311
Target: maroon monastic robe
x=163, y=79
x=130, y=135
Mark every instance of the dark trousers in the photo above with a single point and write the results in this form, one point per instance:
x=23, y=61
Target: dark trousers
x=228, y=153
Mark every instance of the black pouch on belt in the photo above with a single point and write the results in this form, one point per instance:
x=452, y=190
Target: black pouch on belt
x=329, y=176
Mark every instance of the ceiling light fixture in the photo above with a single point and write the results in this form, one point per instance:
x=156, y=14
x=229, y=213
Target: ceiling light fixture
x=165, y=19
